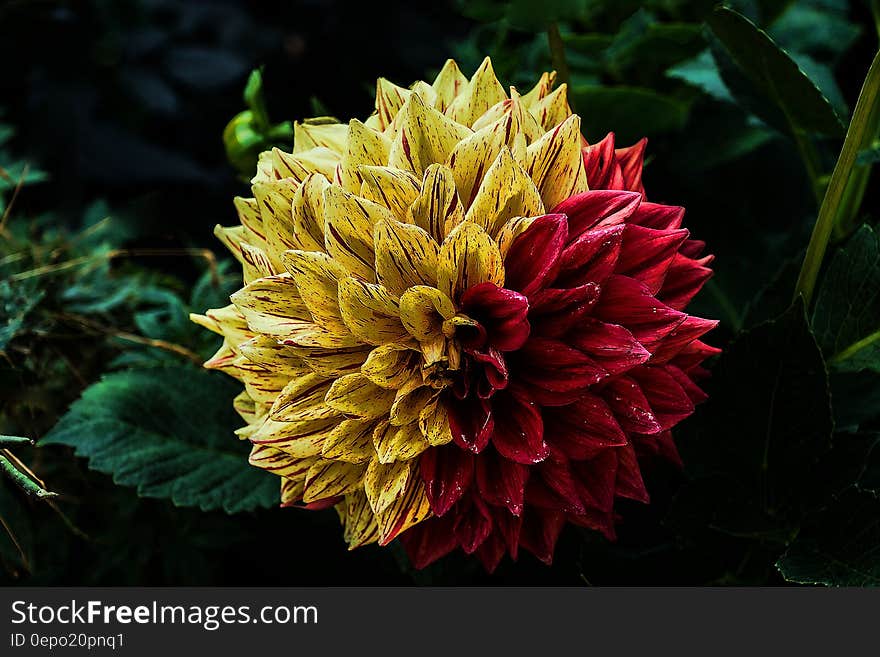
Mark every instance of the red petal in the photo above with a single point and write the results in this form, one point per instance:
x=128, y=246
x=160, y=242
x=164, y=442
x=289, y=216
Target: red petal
x=600, y=163
x=692, y=389
x=473, y=524
x=519, y=431
x=532, y=261
x=684, y=279
x=557, y=476
x=631, y=161
x=669, y=401
x=628, y=302
x=611, y=345
x=502, y=312
x=597, y=478
x=630, y=406
x=629, y=483
x=447, y=472
x=429, y=540
x=692, y=355
x=491, y=552
x=583, y=429
x=683, y=334
x=540, y=531
x=646, y=254
x=493, y=370
x=471, y=423
x=597, y=520
x=658, y=216
x=501, y=482
x=557, y=367
x=556, y=311
x=591, y=258
x=597, y=208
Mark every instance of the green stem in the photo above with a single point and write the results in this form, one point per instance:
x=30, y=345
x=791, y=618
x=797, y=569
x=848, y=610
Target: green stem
x=24, y=482
x=557, y=54
x=13, y=441
x=860, y=132
x=855, y=348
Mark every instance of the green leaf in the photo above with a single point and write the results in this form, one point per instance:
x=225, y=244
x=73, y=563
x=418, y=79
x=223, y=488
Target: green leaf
x=17, y=301
x=702, y=72
x=839, y=546
x=630, y=112
x=847, y=315
x=752, y=448
x=167, y=432
x=773, y=71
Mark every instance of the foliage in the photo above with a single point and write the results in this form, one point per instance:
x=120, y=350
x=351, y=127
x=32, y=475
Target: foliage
x=744, y=108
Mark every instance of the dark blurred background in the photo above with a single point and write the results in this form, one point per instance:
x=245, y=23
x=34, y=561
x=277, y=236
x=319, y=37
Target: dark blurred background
x=126, y=101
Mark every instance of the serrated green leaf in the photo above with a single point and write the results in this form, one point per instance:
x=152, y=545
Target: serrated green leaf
x=167, y=432
x=847, y=314
x=840, y=546
x=775, y=73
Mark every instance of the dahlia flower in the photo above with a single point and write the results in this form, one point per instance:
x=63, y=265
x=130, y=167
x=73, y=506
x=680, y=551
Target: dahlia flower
x=461, y=324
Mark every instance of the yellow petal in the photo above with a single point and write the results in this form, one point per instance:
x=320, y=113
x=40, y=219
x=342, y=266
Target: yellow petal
x=348, y=233
x=394, y=189
x=272, y=305
x=361, y=527
x=350, y=441
x=553, y=109
x=307, y=215
x=335, y=362
x=317, y=277
x=409, y=402
x=291, y=491
x=398, y=443
x=300, y=439
x=303, y=400
x=268, y=352
x=424, y=137
x=309, y=135
x=262, y=384
x=506, y=192
x=328, y=478
x=250, y=217
x=383, y=483
x=275, y=200
x=370, y=312
x=366, y=146
x=391, y=365
x=300, y=165
x=424, y=91
x=556, y=164
x=405, y=256
x=255, y=263
x=434, y=423
x=437, y=210
x=468, y=256
x=356, y=395
x=245, y=407
x=389, y=99
x=423, y=309
x=450, y=82
x=540, y=90
x=408, y=509
x=473, y=156
x=278, y=462
x=483, y=91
